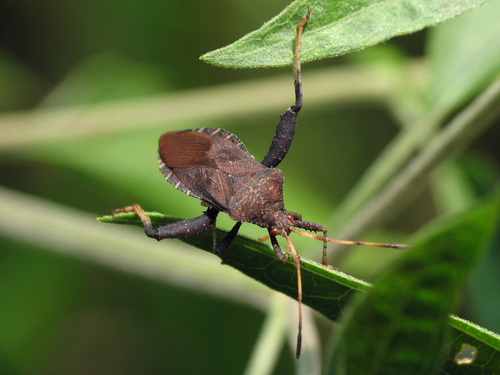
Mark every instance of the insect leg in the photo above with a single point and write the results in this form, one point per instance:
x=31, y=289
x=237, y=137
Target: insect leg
x=214, y=234
x=314, y=227
x=220, y=248
x=179, y=229
x=186, y=228
x=285, y=130
x=277, y=249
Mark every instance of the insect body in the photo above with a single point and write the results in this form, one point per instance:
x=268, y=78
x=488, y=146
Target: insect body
x=213, y=165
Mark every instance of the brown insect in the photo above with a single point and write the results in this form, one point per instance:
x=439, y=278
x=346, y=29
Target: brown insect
x=213, y=165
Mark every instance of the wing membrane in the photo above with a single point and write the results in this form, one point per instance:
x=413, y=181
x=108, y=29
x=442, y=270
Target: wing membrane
x=185, y=149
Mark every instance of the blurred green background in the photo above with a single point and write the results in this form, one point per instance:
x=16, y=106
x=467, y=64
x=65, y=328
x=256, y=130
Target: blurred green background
x=72, y=77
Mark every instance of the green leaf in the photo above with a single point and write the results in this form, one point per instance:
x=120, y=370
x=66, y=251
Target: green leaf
x=484, y=346
x=328, y=291
x=334, y=28
x=399, y=327
x=324, y=289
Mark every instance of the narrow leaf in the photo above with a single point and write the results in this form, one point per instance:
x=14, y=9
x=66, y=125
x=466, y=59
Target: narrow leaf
x=399, y=327
x=334, y=28
x=325, y=290
x=471, y=350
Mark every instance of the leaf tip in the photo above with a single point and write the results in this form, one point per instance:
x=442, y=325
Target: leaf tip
x=204, y=57
x=105, y=219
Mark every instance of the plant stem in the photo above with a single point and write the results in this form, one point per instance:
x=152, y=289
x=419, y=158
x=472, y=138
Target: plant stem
x=454, y=137
x=41, y=126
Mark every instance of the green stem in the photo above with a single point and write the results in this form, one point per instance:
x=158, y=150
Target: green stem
x=271, y=338
x=75, y=233
x=461, y=131
x=41, y=126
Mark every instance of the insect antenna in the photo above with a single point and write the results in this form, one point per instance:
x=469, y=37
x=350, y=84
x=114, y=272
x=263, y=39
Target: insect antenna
x=296, y=262
x=346, y=242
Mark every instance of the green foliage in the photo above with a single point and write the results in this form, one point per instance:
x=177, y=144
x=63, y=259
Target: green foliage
x=325, y=290
x=381, y=149
x=335, y=28
x=399, y=325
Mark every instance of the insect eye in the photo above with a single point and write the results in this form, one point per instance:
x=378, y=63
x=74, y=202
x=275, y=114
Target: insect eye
x=274, y=232
x=290, y=217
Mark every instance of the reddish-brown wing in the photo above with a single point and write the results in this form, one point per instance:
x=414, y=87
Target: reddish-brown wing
x=208, y=163
x=185, y=149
